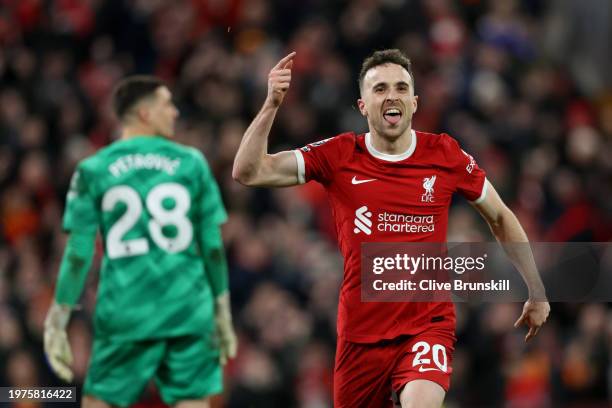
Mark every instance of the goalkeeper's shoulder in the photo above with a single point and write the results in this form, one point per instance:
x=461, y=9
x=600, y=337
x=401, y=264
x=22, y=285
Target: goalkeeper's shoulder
x=96, y=160
x=85, y=169
x=184, y=152
x=196, y=158
x=195, y=154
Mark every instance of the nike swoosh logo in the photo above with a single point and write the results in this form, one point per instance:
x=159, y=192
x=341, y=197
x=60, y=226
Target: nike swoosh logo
x=355, y=181
x=422, y=370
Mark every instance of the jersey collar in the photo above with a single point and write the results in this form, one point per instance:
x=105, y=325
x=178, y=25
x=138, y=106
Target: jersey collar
x=391, y=157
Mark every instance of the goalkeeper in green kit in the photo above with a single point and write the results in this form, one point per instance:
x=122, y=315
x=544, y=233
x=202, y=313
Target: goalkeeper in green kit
x=162, y=308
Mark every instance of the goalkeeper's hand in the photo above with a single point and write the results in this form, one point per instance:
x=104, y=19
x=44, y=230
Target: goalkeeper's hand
x=225, y=330
x=57, y=347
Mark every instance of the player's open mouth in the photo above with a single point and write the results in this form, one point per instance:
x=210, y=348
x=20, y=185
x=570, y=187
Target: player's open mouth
x=392, y=115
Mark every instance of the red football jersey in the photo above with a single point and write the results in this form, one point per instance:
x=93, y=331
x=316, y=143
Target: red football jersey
x=387, y=190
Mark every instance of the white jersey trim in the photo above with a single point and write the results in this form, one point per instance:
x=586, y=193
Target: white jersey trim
x=483, y=195
x=391, y=157
x=301, y=167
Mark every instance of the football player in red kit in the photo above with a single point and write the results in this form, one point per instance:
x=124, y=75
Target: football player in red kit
x=392, y=171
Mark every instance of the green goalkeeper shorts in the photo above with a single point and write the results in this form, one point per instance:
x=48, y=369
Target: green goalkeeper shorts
x=184, y=368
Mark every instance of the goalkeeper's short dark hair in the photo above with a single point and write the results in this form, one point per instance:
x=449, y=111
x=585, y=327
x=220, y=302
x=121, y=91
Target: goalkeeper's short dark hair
x=131, y=90
x=389, y=56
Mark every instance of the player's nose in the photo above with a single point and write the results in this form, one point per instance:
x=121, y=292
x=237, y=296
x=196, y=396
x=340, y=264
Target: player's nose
x=391, y=101
x=392, y=95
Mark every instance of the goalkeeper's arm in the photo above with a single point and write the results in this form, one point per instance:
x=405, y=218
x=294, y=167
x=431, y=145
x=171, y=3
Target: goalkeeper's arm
x=215, y=265
x=72, y=276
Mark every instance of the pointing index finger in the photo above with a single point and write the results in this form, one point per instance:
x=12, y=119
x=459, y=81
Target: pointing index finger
x=283, y=62
x=520, y=320
x=532, y=333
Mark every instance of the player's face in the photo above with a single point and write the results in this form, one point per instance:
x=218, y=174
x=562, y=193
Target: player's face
x=388, y=100
x=162, y=112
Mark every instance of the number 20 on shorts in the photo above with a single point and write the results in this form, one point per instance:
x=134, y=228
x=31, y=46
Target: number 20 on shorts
x=438, y=354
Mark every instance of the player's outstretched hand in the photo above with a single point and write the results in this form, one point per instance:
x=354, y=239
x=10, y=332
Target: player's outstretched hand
x=279, y=80
x=534, y=315
x=228, y=342
x=57, y=347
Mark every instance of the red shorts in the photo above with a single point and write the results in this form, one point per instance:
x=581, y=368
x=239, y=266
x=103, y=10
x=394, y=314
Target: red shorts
x=367, y=375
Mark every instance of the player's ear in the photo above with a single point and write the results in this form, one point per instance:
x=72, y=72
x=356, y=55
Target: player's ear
x=143, y=114
x=362, y=107
x=415, y=103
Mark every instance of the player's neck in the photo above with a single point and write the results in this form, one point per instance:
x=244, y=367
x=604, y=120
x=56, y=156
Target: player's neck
x=395, y=146
x=133, y=130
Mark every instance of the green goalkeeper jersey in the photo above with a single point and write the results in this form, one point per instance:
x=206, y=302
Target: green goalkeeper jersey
x=152, y=200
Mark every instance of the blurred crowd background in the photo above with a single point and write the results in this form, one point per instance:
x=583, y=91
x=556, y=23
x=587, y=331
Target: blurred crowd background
x=525, y=86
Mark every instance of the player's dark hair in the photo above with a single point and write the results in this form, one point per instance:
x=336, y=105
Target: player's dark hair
x=131, y=90
x=381, y=57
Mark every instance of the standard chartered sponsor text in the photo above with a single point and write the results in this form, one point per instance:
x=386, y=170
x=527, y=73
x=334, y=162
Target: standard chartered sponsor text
x=391, y=222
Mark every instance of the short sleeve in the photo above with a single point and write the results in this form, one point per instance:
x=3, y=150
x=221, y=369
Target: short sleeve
x=211, y=209
x=81, y=213
x=471, y=179
x=317, y=161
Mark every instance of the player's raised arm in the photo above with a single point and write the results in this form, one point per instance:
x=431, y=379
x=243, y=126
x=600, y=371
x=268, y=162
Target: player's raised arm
x=253, y=166
x=508, y=231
